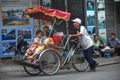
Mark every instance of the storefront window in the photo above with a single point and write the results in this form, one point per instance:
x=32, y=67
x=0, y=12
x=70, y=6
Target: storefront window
x=118, y=12
x=45, y=3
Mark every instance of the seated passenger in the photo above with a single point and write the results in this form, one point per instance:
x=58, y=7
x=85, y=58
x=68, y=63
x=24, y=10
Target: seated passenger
x=114, y=42
x=37, y=42
x=31, y=49
x=41, y=46
x=45, y=28
x=48, y=39
x=38, y=39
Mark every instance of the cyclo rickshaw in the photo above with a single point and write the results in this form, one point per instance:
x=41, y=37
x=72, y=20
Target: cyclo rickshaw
x=53, y=58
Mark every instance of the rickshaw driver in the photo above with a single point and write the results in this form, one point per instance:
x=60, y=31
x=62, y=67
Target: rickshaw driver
x=86, y=43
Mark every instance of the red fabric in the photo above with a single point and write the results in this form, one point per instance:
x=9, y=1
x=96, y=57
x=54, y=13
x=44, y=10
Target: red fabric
x=40, y=12
x=57, y=39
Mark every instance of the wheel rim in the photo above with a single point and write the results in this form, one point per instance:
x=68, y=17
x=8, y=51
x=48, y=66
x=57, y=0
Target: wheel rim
x=49, y=62
x=32, y=71
x=80, y=66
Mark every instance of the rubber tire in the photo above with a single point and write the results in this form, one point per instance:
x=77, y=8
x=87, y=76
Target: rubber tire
x=48, y=51
x=78, y=69
x=32, y=74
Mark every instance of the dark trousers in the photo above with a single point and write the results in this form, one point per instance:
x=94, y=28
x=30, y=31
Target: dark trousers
x=117, y=50
x=88, y=53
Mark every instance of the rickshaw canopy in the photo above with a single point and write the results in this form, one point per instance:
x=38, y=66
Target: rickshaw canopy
x=41, y=12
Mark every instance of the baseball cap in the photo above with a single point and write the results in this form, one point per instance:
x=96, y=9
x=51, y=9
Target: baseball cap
x=77, y=20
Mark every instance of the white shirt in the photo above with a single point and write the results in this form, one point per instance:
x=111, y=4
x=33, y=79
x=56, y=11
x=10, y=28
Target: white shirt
x=85, y=40
x=38, y=41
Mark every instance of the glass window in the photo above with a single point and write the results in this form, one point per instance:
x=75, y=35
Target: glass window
x=45, y=3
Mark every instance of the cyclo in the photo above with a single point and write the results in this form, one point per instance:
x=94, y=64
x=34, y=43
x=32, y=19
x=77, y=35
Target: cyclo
x=53, y=58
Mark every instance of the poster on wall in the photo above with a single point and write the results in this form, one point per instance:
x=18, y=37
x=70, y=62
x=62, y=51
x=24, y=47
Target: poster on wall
x=25, y=32
x=90, y=17
x=90, y=5
x=91, y=30
x=13, y=23
x=8, y=34
x=0, y=8
x=8, y=48
x=101, y=20
x=13, y=15
x=0, y=27
x=102, y=34
x=0, y=13
x=101, y=5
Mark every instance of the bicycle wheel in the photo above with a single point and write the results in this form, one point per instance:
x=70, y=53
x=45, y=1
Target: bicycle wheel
x=79, y=63
x=49, y=62
x=31, y=70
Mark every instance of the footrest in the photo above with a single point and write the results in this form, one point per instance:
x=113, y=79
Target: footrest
x=19, y=60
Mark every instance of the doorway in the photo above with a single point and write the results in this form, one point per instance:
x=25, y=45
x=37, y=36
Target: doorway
x=117, y=9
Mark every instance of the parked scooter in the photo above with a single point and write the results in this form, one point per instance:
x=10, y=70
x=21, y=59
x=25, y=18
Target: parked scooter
x=22, y=46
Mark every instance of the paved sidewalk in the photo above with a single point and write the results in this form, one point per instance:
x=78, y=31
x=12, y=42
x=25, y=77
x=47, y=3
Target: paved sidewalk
x=108, y=61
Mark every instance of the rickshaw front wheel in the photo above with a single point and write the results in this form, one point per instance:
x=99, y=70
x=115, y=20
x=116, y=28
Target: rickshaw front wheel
x=49, y=62
x=31, y=69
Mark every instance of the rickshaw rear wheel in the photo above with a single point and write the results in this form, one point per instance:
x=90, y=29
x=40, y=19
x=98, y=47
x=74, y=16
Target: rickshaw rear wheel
x=49, y=62
x=32, y=71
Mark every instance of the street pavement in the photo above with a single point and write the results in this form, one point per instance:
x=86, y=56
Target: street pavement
x=110, y=72
x=12, y=71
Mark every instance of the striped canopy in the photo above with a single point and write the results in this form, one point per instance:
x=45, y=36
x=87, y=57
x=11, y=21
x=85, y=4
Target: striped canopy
x=41, y=12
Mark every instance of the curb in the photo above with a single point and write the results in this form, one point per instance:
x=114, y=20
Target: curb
x=110, y=63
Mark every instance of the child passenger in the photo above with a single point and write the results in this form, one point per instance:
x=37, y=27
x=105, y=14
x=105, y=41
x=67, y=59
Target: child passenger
x=37, y=42
x=31, y=49
x=47, y=41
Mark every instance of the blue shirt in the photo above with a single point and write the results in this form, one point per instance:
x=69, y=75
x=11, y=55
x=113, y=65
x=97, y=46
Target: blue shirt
x=113, y=43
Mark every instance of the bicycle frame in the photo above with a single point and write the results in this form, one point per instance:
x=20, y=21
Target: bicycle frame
x=70, y=54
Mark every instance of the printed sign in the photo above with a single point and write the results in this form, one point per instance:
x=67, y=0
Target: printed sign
x=13, y=23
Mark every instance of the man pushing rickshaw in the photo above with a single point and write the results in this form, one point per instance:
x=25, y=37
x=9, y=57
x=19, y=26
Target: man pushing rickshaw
x=45, y=55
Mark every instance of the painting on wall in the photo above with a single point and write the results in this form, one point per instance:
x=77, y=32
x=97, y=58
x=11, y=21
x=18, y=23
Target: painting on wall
x=25, y=32
x=8, y=48
x=101, y=18
x=90, y=5
x=90, y=18
x=13, y=15
x=101, y=5
x=13, y=23
x=8, y=34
